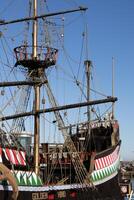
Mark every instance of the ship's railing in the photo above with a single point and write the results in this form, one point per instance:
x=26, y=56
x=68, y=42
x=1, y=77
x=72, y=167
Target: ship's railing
x=24, y=53
x=64, y=157
x=83, y=126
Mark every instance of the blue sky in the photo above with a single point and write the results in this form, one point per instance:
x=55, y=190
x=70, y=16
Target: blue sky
x=111, y=34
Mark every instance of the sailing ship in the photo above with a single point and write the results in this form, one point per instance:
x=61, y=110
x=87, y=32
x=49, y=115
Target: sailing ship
x=85, y=164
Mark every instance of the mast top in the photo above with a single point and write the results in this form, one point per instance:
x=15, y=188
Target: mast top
x=46, y=57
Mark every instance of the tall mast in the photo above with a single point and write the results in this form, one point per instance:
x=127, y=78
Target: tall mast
x=37, y=94
x=113, y=86
x=88, y=72
x=34, y=35
x=35, y=64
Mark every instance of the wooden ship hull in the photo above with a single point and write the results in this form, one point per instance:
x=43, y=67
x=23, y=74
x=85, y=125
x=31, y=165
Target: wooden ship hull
x=105, y=183
x=108, y=190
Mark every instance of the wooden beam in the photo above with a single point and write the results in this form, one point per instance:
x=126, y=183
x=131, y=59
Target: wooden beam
x=17, y=83
x=2, y=22
x=54, y=109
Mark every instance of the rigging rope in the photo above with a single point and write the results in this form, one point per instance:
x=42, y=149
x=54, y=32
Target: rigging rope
x=80, y=169
x=7, y=76
x=18, y=124
x=11, y=136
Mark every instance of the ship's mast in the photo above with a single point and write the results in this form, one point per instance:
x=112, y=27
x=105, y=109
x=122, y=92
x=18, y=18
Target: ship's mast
x=88, y=72
x=34, y=38
x=37, y=94
x=113, y=104
x=35, y=64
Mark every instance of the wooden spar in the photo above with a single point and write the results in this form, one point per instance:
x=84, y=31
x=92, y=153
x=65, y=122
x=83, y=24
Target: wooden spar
x=88, y=74
x=37, y=92
x=42, y=16
x=17, y=83
x=65, y=107
x=113, y=66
